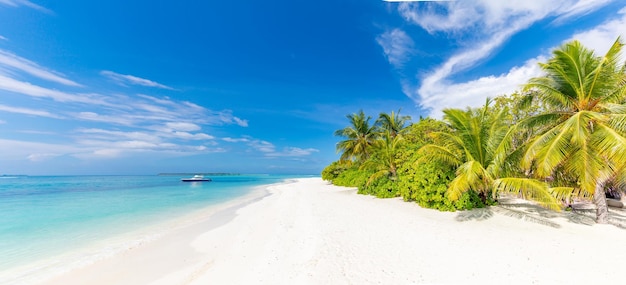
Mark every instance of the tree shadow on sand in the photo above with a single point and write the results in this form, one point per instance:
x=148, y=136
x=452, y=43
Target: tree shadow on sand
x=528, y=212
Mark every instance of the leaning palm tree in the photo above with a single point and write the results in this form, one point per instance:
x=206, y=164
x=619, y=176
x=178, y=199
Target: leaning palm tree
x=479, y=148
x=359, y=136
x=393, y=123
x=585, y=122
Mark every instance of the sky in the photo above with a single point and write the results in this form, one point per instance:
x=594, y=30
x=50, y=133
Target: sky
x=145, y=87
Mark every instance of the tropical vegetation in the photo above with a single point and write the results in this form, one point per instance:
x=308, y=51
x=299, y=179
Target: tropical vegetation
x=562, y=137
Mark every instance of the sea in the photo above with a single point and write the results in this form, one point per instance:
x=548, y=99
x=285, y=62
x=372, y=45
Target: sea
x=46, y=220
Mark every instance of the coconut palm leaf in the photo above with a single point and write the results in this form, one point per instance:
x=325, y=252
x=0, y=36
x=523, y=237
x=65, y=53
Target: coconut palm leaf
x=530, y=188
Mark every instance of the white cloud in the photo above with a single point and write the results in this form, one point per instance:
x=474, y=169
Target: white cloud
x=240, y=122
x=3, y=38
x=111, y=119
x=438, y=95
x=226, y=117
x=101, y=134
x=603, y=36
x=36, y=157
x=268, y=149
x=233, y=140
x=182, y=126
x=191, y=136
x=25, y=88
x=17, y=3
x=480, y=27
x=262, y=146
x=27, y=111
x=580, y=8
x=127, y=124
x=293, y=152
x=397, y=46
x=33, y=151
x=105, y=153
x=11, y=61
x=124, y=79
x=484, y=17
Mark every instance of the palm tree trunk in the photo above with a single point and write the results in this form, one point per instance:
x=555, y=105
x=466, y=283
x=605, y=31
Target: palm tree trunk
x=599, y=199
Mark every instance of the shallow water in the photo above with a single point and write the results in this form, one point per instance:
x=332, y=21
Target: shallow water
x=45, y=216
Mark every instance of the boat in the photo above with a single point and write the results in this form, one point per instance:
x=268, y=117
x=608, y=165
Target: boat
x=196, y=178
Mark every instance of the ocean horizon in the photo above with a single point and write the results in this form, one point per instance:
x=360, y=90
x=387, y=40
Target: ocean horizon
x=43, y=218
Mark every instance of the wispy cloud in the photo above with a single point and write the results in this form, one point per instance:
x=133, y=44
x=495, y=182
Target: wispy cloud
x=262, y=146
x=26, y=3
x=115, y=143
x=124, y=80
x=269, y=150
x=11, y=61
x=234, y=140
x=479, y=27
x=36, y=157
x=397, y=46
x=26, y=111
x=25, y=88
x=3, y=38
x=33, y=151
x=293, y=152
x=127, y=124
x=580, y=8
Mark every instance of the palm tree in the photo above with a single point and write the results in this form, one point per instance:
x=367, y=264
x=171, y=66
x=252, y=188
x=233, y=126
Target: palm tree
x=383, y=160
x=585, y=121
x=479, y=149
x=359, y=136
x=393, y=123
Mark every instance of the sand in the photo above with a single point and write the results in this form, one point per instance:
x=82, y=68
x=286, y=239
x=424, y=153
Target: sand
x=310, y=232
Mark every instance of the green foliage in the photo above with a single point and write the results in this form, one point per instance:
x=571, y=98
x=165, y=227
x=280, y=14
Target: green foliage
x=564, y=136
x=381, y=188
x=418, y=134
x=427, y=183
x=333, y=170
x=584, y=132
x=358, y=137
x=352, y=177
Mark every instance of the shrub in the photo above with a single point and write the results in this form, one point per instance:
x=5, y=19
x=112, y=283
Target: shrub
x=333, y=170
x=352, y=177
x=427, y=183
x=381, y=188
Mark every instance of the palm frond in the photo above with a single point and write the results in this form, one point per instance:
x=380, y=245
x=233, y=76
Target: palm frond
x=469, y=176
x=548, y=150
x=438, y=153
x=565, y=193
x=610, y=142
x=530, y=188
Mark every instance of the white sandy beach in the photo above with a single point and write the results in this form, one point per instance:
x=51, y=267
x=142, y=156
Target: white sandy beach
x=309, y=232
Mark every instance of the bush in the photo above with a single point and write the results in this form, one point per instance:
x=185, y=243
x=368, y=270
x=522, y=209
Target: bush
x=352, y=177
x=333, y=170
x=427, y=183
x=381, y=188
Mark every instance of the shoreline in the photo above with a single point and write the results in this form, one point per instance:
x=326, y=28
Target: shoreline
x=310, y=232
x=50, y=267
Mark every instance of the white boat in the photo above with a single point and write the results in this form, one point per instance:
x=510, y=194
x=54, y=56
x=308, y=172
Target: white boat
x=196, y=178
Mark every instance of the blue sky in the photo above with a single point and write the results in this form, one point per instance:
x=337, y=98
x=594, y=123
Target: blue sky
x=142, y=87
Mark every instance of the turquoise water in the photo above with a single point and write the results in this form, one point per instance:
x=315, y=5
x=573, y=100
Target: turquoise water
x=43, y=216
